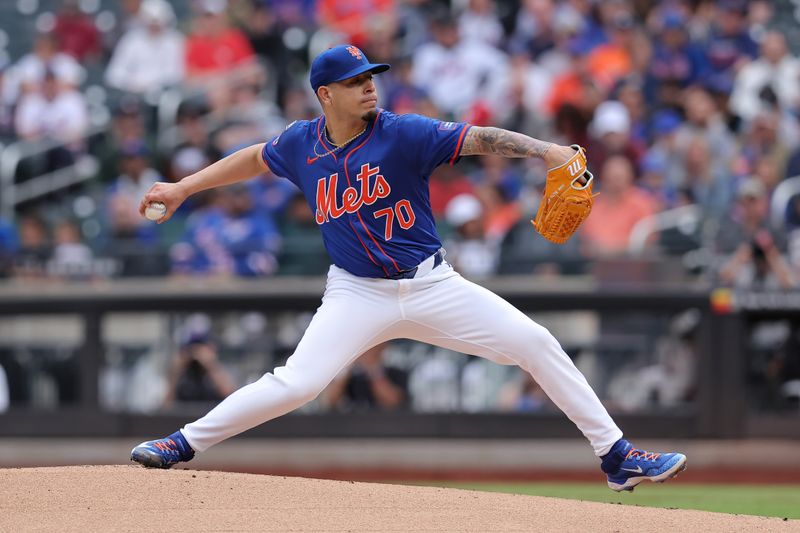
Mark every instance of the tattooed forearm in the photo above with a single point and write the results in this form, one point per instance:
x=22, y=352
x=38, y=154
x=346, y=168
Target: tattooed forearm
x=484, y=141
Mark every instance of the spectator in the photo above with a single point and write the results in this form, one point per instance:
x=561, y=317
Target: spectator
x=302, y=251
x=616, y=210
x=529, y=92
x=525, y=252
x=469, y=250
x=265, y=33
x=749, y=216
x=30, y=261
x=297, y=105
x=57, y=112
x=402, y=94
x=677, y=62
x=186, y=161
x=193, y=130
x=214, y=49
x=196, y=374
x=729, y=46
x=479, y=21
x=769, y=171
x=571, y=125
x=777, y=69
x=369, y=383
x=72, y=259
x=756, y=260
x=610, y=131
x=9, y=243
x=498, y=187
x=353, y=22
x=523, y=395
x=458, y=74
x=122, y=219
x=574, y=86
x=248, y=110
x=446, y=183
x=29, y=72
x=76, y=33
x=612, y=61
x=711, y=186
x=630, y=92
x=668, y=381
x=132, y=68
x=534, y=27
x=767, y=135
x=228, y=238
x=137, y=174
x=758, y=265
x=662, y=165
x=271, y=194
x=127, y=129
x=703, y=117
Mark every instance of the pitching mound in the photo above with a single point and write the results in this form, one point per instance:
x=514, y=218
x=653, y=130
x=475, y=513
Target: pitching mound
x=130, y=498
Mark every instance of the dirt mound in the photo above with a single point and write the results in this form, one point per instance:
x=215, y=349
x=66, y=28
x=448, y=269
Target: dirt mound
x=130, y=498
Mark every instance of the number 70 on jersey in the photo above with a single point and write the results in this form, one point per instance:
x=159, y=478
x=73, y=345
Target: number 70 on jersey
x=402, y=211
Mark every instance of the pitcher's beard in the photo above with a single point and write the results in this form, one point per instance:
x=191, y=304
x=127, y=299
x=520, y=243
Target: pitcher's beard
x=370, y=115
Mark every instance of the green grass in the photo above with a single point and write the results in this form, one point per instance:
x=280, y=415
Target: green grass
x=763, y=500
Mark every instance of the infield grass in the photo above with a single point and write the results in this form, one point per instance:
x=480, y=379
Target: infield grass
x=762, y=500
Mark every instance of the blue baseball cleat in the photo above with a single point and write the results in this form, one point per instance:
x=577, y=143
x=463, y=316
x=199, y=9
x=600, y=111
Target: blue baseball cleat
x=163, y=453
x=627, y=466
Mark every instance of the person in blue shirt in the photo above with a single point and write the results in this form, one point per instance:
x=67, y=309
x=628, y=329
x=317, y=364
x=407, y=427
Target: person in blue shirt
x=228, y=238
x=9, y=242
x=364, y=173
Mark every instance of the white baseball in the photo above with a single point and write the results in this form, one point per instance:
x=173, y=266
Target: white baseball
x=155, y=210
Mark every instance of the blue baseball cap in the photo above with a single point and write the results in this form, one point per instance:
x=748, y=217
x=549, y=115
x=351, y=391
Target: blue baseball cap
x=339, y=63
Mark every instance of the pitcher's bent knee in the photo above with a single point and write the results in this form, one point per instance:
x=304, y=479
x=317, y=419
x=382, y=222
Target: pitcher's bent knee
x=535, y=341
x=302, y=392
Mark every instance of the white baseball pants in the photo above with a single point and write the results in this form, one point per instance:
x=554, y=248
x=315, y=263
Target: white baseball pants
x=437, y=307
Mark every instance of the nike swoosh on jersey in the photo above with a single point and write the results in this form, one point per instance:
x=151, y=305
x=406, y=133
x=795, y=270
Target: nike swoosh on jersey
x=310, y=160
x=637, y=470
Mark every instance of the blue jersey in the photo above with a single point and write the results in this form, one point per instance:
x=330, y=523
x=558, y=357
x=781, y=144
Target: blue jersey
x=371, y=198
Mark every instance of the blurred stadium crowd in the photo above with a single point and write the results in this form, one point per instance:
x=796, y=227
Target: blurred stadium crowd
x=688, y=109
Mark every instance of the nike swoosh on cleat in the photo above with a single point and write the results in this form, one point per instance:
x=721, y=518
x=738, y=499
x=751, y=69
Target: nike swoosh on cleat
x=637, y=470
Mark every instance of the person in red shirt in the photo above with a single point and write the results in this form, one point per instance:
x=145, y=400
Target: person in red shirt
x=213, y=47
x=76, y=33
x=356, y=19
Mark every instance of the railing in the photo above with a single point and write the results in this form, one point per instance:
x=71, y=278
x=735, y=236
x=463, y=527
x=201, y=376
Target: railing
x=781, y=197
x=719, y=408
x=14, y=193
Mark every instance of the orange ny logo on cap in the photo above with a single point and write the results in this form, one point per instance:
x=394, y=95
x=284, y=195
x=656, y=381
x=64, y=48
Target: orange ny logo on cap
x=355, y=52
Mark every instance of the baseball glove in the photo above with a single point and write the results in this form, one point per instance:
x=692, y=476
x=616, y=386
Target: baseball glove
x=567, y=199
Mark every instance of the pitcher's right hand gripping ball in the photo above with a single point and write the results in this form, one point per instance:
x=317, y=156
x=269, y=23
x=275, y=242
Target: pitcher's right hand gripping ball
x=567, y=199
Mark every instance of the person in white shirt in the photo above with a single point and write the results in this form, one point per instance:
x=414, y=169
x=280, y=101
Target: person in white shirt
x=480, y=21
x=27, y=74
x=56, y=111
x=459, y=73
x=777, y=69
x=150, y=58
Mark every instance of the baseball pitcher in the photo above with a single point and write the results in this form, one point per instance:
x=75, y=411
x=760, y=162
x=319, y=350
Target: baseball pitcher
x=364, y=172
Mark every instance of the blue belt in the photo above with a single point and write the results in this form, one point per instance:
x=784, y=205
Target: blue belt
x=438, y=258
